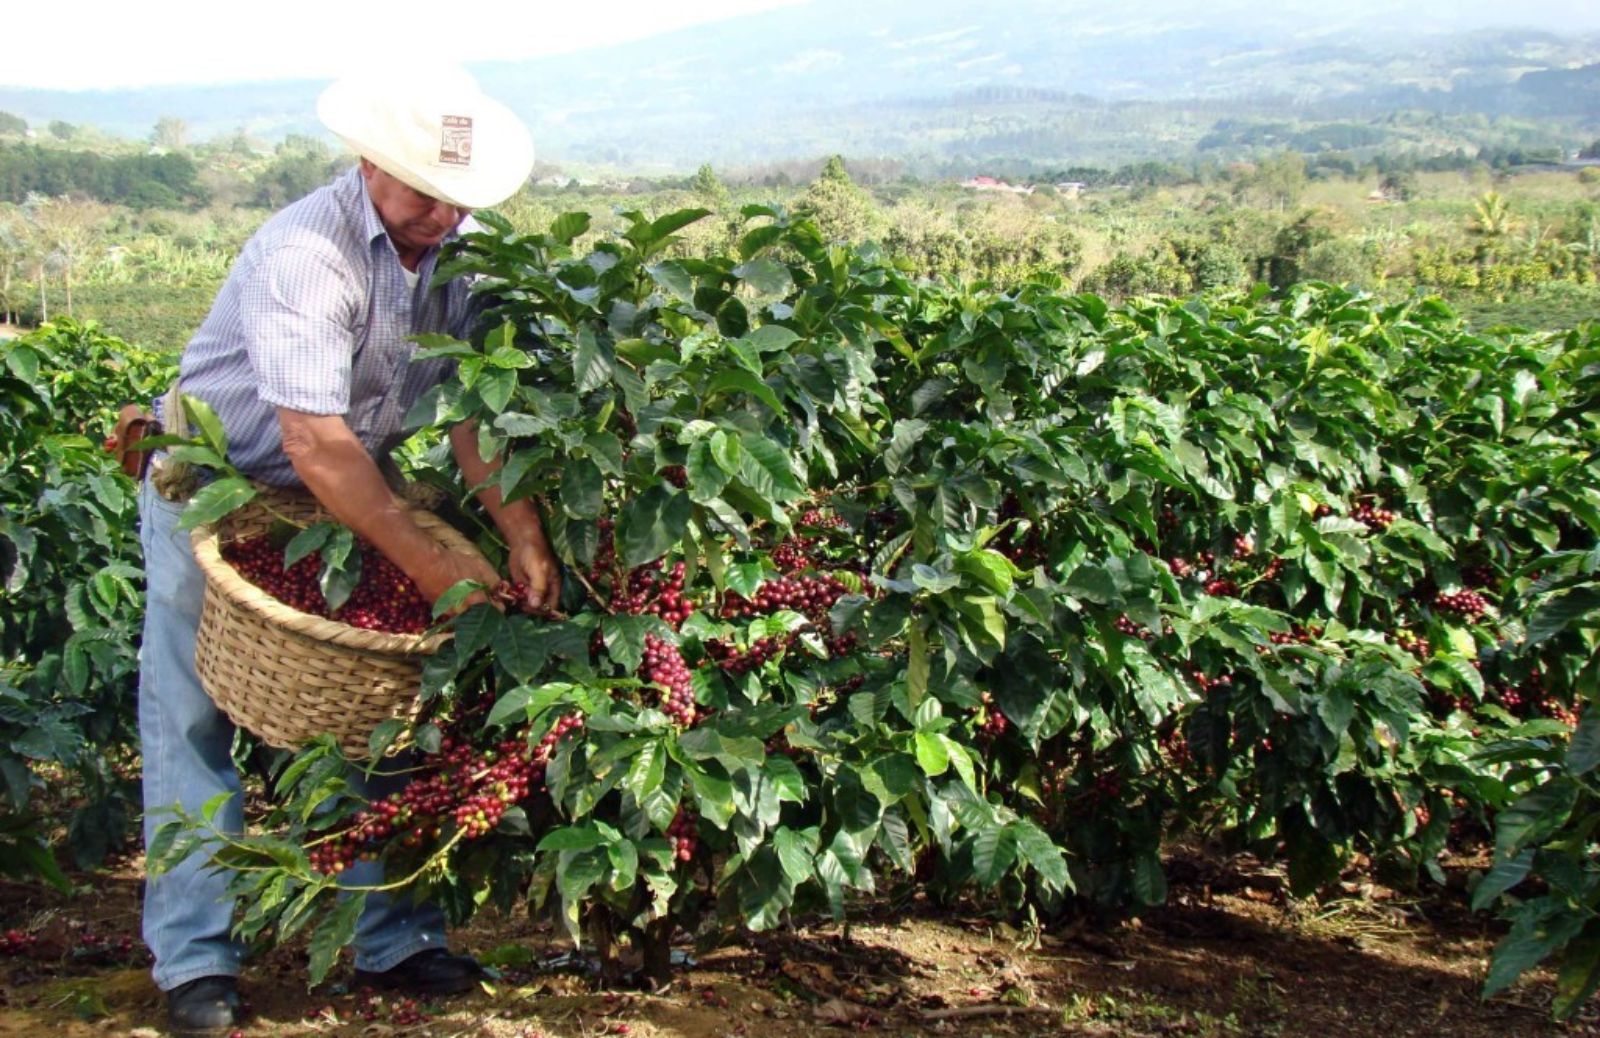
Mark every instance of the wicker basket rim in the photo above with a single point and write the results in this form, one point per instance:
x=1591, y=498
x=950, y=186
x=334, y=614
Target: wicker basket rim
x=206, y=540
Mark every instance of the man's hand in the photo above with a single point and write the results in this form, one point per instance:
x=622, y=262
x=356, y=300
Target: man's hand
x=533, y=564
x=448, y=568
x=534, y=567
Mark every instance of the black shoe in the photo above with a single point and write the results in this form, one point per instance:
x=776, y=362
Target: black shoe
x=207, y=1006
x=431, y=972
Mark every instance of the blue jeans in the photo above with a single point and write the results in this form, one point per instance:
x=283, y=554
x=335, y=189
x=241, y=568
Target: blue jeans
x=186, y=743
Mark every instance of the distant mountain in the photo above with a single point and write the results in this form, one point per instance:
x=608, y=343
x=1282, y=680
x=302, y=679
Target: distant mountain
x=947, y=78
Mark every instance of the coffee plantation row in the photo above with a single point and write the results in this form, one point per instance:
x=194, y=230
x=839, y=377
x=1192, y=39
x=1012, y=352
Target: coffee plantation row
x=880, y=582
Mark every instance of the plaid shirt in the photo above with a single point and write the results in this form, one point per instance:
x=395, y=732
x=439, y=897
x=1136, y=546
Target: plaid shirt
x=314, y=317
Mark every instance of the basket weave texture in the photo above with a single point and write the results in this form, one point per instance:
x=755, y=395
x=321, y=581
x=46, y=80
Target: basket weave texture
x=288, y=676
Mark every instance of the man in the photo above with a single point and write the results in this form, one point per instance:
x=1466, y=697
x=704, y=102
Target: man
x=305, y=358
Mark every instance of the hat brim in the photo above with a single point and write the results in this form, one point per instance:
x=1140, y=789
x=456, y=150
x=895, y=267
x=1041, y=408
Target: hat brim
x=502, y=151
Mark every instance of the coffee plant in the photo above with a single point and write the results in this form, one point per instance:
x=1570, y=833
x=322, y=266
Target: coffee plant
x=72, y=595
x=879, y=580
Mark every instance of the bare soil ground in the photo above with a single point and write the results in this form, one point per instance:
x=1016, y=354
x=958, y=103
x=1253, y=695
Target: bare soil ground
x=1231, y=955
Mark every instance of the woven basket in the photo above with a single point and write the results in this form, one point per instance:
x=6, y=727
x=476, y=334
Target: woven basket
x=288, y=676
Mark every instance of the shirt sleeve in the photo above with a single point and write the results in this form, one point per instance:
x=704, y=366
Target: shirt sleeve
x=298, y=311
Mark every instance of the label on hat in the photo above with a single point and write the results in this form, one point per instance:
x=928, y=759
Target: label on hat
x=455, y=141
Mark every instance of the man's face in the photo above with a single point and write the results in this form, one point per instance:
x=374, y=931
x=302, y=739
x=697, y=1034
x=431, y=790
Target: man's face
x=415, y=221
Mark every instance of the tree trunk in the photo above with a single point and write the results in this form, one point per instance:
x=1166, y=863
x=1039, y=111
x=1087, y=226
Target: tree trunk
x=44, y=302
x=601, y=929
x=656, y=969
x=68, y=275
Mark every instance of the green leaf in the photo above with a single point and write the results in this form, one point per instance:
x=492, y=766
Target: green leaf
x=571, y=838
x=306, y=542
x=1149, y=879
x=918, y=667
x=495, y=389
x=767, y=277
x=707, y=479
x=994, y=851
x=1579, y=974
x=520, y=648
x=907, y=433
x=1533, y=817
x=737, y=380
x=797, y=852
x=767, y=470
x=454, y=596
x=932, y=756
x=1527, y=945
x=671, y=276
x=24, y=363
x=582, y=489
x=476, y=628
x=992, y=570
x=647, y=771
x=1579, y=607
x=592, y=364
x=786, y=779
x=568, y=227
x=333, y=933
x=1039, y=851
x=1505, y=874
x=215, y=500
x=653, y=523
x=1584, y=753
x=384, y=736
x=211, y=431
x=526, y=702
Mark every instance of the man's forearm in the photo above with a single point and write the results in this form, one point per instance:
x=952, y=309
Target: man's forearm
x=518, y=520
x=336, y=468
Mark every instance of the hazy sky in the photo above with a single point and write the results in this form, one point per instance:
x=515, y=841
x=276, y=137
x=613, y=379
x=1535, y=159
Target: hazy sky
x=98, y=44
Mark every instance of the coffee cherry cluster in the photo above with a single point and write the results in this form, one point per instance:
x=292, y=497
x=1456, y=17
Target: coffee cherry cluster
x=1480, y=576
x=1296, y=635
x=648, y=592
x=1244, y=546
x=994, y=723
x=742, y=661
x=792, y=554
x=1026, y=551
x=819, y=519
x=1273, y=569
x=260, y=562
x=663, y=665
x=1222, y=587
x=1376, y=519
x=682, y=835
x=18, y=942
x=1176, y=748
x=811, y=595
x=1411, y=642
x=1207, y=684
x=471, y=789
x=1106, y=787
x=605, y=554
x=1180, y=566
x=1461, y=603
x=677, y=475
x=385, y=599
x=1128, y=627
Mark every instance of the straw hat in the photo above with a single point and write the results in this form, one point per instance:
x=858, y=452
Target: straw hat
x=433, y=130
